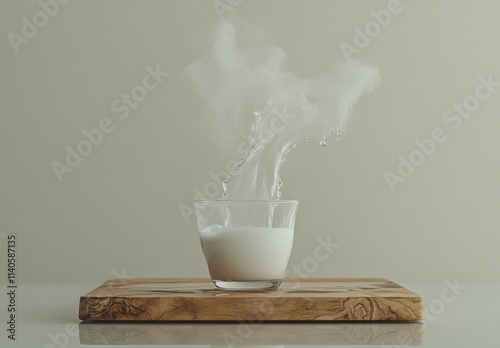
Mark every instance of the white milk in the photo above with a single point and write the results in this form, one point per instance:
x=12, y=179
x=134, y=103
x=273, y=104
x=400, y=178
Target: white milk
x=246, y=253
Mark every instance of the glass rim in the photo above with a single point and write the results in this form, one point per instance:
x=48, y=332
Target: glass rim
x=217, y=201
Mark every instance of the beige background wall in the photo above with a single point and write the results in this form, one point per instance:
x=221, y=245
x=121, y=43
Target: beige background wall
x=118, y=211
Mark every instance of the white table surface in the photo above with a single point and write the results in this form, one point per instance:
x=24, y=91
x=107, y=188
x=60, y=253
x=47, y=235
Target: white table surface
x=47, y=316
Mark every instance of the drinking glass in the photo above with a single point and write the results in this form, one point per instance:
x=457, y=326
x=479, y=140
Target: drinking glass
x=246, y=244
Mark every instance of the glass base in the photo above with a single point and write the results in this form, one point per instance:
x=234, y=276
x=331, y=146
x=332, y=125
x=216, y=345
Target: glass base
x=247, y=284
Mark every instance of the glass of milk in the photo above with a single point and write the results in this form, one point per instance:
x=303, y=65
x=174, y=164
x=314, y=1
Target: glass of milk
x=247, y=244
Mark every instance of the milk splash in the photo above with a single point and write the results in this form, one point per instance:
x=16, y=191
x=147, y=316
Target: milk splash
x=240, y=80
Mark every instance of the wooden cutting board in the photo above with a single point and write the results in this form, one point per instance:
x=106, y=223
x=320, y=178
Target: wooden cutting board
x=347, y=299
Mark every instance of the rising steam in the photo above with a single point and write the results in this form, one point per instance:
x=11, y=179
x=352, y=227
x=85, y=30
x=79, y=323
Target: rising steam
x=245, y=84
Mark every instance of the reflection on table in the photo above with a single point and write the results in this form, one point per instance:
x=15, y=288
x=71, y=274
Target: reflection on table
x=245, y=333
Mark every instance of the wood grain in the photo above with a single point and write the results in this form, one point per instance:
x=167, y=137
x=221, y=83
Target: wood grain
x=152, y=299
